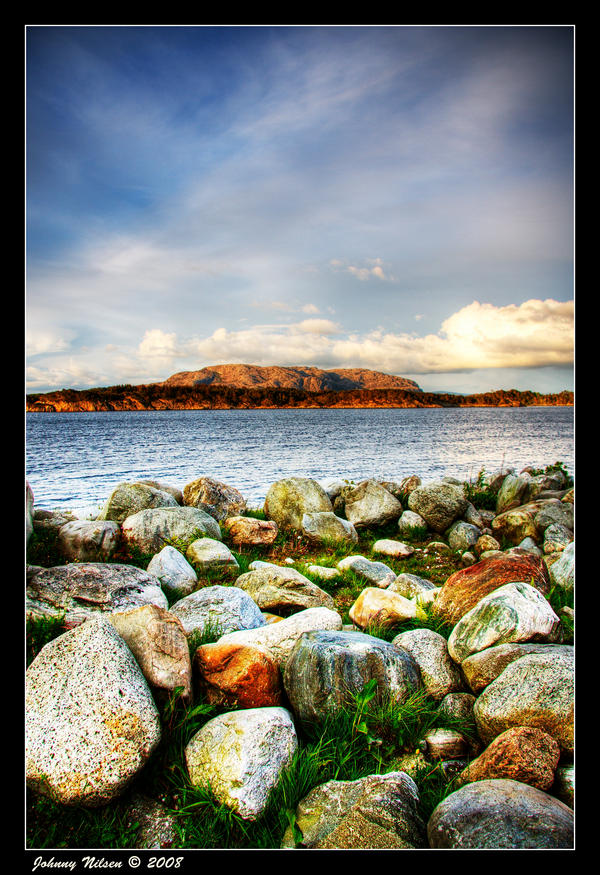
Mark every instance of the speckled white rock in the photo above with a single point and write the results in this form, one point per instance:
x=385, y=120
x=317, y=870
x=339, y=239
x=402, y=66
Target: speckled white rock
x=429, y=649
x=240, y=756
x=173, y=571
x=90, y=720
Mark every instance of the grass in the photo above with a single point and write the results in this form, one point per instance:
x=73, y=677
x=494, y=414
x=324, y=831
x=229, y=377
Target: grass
x=479, y=493
x=40, y=631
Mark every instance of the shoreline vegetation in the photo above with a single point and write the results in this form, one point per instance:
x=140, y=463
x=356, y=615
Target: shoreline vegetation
x=158, y=396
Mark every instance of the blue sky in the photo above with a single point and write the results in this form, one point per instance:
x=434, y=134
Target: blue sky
x=397, y=198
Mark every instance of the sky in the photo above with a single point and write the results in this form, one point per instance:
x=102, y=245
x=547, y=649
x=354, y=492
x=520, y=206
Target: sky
x=398, y=198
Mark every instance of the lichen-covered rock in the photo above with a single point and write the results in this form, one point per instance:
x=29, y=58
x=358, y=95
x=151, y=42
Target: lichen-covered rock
x=289, y=499
x=127, y=499
x=500, y=813
x=513, y=492
x=376, y=573
x=439, y=503
x=370, y=504
x=84, y=541
x=82, y=590
x=466, y=587
x=324, y=572
x=279, y=639
x=174, y=572
x=429, y=649
x=208, y=554
x=381, y=607
x=159, y=643
x=523, y=753
x=326, y=668
x=371, y=813
x=90, y=720
x=283, y=590
x=237, y=675
x=246, y=531
x=326, y=526
x=215, y=498
x=514, y=612
x=240, y=756
x=556, y=538
x=222, y=609
x=484, y=544
x=535, y=690
x=151, y=530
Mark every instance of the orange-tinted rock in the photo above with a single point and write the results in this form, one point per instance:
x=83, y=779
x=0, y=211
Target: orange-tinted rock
x=251, y=532
x=466, y=587
x=523, y=753
x=235, y=674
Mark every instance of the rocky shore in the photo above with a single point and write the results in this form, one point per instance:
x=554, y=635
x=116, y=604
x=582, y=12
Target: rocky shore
x=448, y=599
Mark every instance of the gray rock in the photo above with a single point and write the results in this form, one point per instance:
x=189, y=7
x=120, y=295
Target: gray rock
x=127, y=499
x=440, y=675
x=51, y=520
x=283, y=590
x=156, y=826
x=324, y=572
x=83, y=541
x=151, y=530
x=556, y=538
x=369, y=504
x=289, y=499
x=240, y=756
x=457, y=707
x=462, y=536
x=562, y=572
x=326, y=526
x=325, y=668
x=411, y=585
x=82, y=590
x=376, y=573
x=174, y=572
x=223, y=609
x=556, y=511
x=411, y=524
x=165, y=487
x=439, y=503
x=90, y=721
x=28, y=512
x=513, y=492
x=500, y=813
x=208, y=554
x=375, y=812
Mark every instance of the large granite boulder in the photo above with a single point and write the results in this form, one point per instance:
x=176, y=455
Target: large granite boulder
x=289, y=499
x=215, y=498
x=127, y=499
x=371, y=813
x=466, y=587
x=90, y=720
x=283, y=590
x=174, y=572
x=221, y=609
x=429, y=649
x=370, y=504
x=85, y=541
x=439, y=503
x=523, y=753
x=513, y=526
x=241, y=755
x=82, y=590
x=502, y=814
x=535, y=690
x=512, y=613
x=151, y=530
x=325, y=669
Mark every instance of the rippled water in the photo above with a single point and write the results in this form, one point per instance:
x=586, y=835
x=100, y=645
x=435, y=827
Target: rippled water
x=74, y=460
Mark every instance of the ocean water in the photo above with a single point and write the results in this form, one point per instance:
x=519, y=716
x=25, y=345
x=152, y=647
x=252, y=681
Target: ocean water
x=74, y=460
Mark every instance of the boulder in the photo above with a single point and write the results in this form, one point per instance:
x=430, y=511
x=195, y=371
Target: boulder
x=555, y=512
x=369, y=504
x=381, y=607
x=462, y=536
x=535, y=690
x=502, y=814
x=376, y=573
x=324, y=572
x=523, y=753
x=165, y=487
x=218, y=609
x=174, y=572
x=217, y=499
x=429, y=649
x=396, y=549
x=83, y=541
x=412, y=586
x=466, y=587
x=156, y=827
x=439, y=503
x=208, y=554
x=127, y=499
x=512, y=526
x=556, y=538
x=326, y=526
x=90, y=720
x=375, y=812
x=158, y=641
x=446, y=744
x=485, y=543
x=241, y=755
x=246, y=531
x=51, y=520
x=28, y=512
x=279, y=639
x=562, y=572
x=82, y=590
x=457, y=707
x=411, y=524
x=512, y=613
x=326, y=668
x=151, y=530
x=289, y=499
x=513, y=492
x=564, y=785
x=237, y=676
x=283, y=590
x=481, y=668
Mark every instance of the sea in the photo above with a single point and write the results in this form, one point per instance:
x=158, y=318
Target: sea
x=74, y=460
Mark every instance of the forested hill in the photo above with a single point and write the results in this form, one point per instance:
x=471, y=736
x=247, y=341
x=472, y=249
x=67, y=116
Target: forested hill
x=161, y=396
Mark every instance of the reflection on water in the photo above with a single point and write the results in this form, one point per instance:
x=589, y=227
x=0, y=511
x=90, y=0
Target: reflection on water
x=75, y=459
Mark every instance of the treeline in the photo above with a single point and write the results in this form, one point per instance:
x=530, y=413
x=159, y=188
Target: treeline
x=163, y=397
